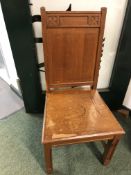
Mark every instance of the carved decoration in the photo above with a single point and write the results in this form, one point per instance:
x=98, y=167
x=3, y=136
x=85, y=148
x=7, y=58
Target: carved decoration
x=52, y=21
x=102, y=52
x=93, y=20
x=90, y=20
x=102, y=46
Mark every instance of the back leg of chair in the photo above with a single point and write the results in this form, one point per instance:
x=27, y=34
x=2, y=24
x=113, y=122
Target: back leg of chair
x=109, y=149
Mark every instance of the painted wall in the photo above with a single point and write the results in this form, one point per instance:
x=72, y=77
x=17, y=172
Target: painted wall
x=7, y=53
x=114, y=21
x=127, y=99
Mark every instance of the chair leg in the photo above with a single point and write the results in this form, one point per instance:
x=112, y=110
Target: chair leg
x=109, y=150
x=48, y=158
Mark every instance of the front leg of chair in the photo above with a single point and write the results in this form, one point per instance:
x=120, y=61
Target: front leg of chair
x=48, y=157
x=110, y=149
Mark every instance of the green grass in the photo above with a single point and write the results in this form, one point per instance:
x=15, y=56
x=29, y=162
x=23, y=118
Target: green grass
x=21, y=152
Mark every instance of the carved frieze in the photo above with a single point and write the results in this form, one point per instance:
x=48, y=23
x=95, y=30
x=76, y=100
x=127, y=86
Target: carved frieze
x=73, y=20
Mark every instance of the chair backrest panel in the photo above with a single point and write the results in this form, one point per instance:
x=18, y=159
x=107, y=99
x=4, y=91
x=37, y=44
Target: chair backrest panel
x=72, y=47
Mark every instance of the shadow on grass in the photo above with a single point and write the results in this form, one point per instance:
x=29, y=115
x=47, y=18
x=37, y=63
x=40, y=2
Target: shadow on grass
x=126, y=124
x=33, y=138
x=94, y=149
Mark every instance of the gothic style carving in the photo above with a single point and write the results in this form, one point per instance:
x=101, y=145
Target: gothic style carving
x=103, y=41
x=52, y=21
x=67, y=21
x=93, y=20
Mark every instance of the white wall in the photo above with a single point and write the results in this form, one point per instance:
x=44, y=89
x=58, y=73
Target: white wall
x=127, y=99
x=115, y=15
x=7, y=53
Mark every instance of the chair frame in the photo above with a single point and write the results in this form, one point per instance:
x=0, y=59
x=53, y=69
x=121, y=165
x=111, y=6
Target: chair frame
x=49, y=21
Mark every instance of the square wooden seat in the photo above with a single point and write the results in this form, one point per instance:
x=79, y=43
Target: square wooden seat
x=78, y=114
x=72, y=50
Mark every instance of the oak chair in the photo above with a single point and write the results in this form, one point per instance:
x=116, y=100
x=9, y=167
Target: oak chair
x=72, y=48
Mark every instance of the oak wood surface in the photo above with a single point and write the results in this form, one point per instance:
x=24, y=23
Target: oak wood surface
x=74, y=114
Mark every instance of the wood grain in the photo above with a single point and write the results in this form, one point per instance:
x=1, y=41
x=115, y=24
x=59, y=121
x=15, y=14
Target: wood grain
x=73, y=114
x=72, y=47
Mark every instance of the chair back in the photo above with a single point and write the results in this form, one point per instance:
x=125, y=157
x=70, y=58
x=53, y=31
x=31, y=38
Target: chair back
x=72, y=44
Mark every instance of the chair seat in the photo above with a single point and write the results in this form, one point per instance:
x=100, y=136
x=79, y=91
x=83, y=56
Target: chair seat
x=77, y=114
